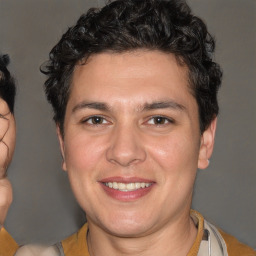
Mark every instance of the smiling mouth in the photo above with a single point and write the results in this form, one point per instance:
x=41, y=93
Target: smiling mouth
x=127, y=187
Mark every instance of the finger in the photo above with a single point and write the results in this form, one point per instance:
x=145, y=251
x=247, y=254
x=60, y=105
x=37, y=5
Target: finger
x=4, y=109
x=3, y=159
x=5, y=198
x=4, y=125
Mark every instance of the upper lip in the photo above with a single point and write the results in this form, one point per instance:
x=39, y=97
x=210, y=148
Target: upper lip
x=125, y=180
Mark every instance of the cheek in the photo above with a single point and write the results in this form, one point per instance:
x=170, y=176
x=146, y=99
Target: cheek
x=83, y=154
x=175, y=152
x=82, y=157
x=176, y=160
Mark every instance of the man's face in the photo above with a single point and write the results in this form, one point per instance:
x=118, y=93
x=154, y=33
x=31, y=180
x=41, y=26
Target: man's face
x=132, y=142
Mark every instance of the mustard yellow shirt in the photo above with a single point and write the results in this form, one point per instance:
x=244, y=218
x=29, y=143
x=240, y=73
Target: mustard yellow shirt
x=8, y=246
x=76, y=244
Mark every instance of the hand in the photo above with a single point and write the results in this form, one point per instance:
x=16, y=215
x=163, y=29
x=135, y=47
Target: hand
x=5, y=198
x=7, y=144
x=38, y=250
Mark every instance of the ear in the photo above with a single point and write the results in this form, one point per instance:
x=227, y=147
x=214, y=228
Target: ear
x=206, y=146
x=62, y=147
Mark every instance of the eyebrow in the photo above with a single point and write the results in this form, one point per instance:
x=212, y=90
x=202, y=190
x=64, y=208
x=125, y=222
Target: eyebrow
x=146, y=107
x=92, y=105
x=162, y=105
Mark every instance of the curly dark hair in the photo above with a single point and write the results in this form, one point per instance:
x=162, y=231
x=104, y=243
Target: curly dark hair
x=126, y=25
x=7, y=84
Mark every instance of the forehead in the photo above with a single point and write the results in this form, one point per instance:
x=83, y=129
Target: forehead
x=122, y=73
x=131, y=79
x=139, y=63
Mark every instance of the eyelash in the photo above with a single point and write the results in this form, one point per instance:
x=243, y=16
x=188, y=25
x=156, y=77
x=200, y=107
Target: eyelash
x=91, y=118
x=103, y=120
x=162, y=118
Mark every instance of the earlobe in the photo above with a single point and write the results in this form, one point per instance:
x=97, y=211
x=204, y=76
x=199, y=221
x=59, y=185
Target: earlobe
x=62, y=147
x=207, y=144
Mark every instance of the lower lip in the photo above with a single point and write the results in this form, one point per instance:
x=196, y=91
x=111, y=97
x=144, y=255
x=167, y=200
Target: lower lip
x=128, y=195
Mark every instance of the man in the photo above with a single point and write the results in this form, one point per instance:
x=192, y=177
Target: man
x=134, y=92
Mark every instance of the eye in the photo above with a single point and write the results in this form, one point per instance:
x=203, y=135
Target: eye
x=159, y=120
x=95, y=120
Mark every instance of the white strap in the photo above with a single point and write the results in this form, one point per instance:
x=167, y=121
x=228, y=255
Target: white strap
x=215, y=245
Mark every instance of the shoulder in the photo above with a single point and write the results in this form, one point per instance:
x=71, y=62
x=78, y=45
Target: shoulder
x=236, y=248
x=76, y=244
x=220, y=242
x=230, y=245
x=7, y=244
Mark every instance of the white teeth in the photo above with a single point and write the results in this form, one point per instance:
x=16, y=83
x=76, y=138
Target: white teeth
x=137, y=185
x=121, y=186
x=130, y=186
x=115, y=186
x=127, y=186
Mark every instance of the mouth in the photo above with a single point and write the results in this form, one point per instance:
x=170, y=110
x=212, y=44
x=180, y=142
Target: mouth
x=126, y=187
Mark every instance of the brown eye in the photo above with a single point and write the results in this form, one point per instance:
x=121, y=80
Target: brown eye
x=159, y=120
x=97, y=120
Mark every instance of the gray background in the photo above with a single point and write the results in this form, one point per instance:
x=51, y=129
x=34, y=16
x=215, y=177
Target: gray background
x=44, y=209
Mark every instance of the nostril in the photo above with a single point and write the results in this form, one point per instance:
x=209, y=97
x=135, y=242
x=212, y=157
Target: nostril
x=126, y=147
x=126, y=158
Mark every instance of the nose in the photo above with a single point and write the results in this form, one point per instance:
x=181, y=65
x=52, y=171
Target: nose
x=126, y=147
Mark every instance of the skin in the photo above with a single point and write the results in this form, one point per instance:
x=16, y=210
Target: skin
x=7, y=145
x=131, y=116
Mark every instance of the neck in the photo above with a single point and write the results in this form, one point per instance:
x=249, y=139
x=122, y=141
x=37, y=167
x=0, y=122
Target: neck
x=174, y=238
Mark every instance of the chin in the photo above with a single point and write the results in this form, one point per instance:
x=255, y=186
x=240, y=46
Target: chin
x=127, y=226
x=127, y=230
